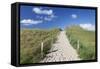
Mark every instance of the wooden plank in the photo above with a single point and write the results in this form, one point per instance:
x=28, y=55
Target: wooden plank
x=41, y=49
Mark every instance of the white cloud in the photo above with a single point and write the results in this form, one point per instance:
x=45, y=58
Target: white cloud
x=74, y=16
x=30, y=21
x=53, y=16
x=41, y=11
x=47, y=19
x=48, y=12
x=88, y=26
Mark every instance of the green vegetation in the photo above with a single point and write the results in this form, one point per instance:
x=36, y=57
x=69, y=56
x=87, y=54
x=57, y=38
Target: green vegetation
x=86, y=41
x=30, y=47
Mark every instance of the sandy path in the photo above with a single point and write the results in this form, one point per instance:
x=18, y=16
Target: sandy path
x=61, y=50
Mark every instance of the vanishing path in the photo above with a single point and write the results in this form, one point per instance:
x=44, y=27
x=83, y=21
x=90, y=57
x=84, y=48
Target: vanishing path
x=61, y=50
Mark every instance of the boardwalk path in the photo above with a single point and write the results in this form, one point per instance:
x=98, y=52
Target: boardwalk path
x=61, y=50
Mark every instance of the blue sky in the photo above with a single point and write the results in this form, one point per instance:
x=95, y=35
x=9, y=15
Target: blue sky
x=53, y=17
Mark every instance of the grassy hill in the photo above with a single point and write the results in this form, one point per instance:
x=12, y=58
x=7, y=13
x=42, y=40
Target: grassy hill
x=86, y=41
x=30, y=47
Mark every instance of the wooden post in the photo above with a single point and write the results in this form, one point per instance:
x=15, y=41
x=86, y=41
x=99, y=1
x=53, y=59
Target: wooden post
x=41, y=49
x=77, y=45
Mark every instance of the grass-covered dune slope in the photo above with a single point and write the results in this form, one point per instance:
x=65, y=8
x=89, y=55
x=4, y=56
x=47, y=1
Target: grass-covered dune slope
x=86, y=41
x=30, y=44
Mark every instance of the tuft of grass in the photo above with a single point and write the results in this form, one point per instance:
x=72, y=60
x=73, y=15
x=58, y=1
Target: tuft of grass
x=30, y=44
x=86, y=41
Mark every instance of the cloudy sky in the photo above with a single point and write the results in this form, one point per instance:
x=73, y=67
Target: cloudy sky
x=53, y=17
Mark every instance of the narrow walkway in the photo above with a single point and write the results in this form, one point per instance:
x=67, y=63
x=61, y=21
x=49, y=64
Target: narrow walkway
x=61, y=50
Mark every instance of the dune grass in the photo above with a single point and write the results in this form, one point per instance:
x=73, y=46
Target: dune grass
x=30, y=44
x=86, y=41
